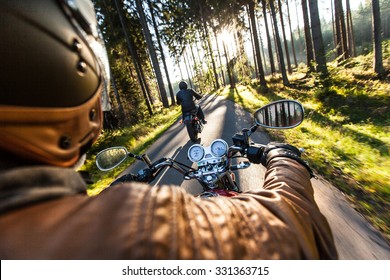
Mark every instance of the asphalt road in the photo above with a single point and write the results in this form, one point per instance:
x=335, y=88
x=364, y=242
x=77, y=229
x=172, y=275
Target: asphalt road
x=355, y=238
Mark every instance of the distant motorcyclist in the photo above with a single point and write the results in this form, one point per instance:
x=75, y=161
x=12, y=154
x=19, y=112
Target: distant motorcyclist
x=52, y=78
x=185, y=97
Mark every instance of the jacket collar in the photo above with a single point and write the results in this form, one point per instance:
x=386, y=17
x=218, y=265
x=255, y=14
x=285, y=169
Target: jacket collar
x=24, y=186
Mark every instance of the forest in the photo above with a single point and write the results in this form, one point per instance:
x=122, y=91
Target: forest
x=333, y=59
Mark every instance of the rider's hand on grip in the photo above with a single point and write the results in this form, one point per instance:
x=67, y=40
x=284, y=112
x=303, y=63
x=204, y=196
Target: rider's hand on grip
x=254, y=154
x=275, y=145
x=145, y=175
x=274, y=150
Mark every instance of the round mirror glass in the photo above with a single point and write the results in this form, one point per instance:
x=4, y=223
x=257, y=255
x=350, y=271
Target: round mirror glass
x=280, y=114
x=111, y=158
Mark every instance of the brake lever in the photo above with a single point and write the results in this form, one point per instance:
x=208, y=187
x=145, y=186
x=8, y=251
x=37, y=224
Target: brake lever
x=134, y=156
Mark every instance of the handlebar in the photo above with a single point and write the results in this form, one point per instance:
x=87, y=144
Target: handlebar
x=153, y=170
x=252, y=152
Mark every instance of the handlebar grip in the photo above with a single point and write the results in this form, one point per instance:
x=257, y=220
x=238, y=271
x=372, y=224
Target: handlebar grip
x=145, y=175
x=254, y=154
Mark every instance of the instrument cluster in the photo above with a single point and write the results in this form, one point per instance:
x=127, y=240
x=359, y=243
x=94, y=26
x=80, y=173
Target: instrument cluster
x=210, y=154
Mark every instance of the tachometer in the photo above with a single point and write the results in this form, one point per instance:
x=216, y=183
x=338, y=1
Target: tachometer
x=219, y=148
x=195, y=153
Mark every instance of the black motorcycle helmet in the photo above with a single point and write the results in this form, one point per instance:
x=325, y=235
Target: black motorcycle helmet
x=52, y=76
x=183, y=85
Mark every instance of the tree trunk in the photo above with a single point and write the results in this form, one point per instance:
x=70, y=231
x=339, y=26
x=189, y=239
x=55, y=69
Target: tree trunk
x=339, y=44
x=144, y=84
x=244, y=62
x=262, y=50
x=284, y=38
x=344, y=32
x=351, y=36
x=177, y=61
x=173, y=102
x=291, y=35
x=270, y=53
x=152, y=53
x=122, y=115
x=261, y=42
x=276, y=44
x=296, y=12
x=207, y=35
x=308, y=40
x=333, y=25
x=377, y=38
x=251, y=7
x=318, y=43
x=219, y=57
x=134, y=57
x=198, y=72
x=228, y=69
x=189, y=75
x=341, y=33
x=253, y=46
x=279, y=45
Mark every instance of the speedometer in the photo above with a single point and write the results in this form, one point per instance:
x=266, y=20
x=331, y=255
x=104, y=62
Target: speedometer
x=219, y=148
x=195, y=153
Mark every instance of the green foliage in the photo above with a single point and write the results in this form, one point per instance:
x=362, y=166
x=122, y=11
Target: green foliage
x=129, y=104
x=362, y=26
x=127, y=87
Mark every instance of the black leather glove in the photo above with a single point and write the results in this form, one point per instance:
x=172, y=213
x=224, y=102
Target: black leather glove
x=275, y=149
x=145, y=175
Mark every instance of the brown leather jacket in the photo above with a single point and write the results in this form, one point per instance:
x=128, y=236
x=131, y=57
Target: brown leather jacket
x=46, y=214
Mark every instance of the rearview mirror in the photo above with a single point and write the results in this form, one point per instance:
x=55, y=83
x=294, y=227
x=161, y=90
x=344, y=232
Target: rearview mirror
x=110, y=158
x=280, y=114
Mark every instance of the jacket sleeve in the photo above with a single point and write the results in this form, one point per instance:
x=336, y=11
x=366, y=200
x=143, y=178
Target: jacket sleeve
x=296, y=208
x=279, y=221
x=196, y=95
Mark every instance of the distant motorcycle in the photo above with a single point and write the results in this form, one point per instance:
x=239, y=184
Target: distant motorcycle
x=193, y=124
x=214, y=169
